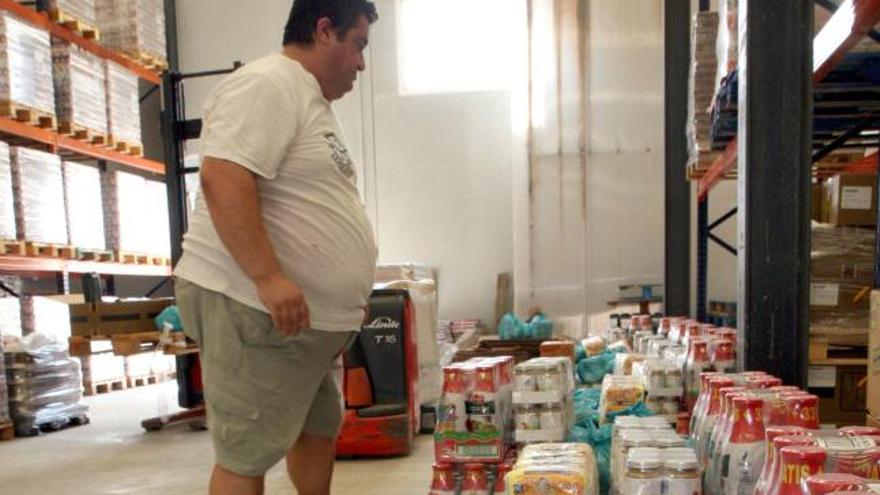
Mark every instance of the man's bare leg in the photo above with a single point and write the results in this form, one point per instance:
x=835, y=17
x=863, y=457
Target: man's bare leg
x=225, y=482
x=310, y=464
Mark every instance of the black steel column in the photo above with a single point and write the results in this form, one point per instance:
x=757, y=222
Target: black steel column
x=702, y=259
x=775, y=134
x=677, y=14
x=174, y=164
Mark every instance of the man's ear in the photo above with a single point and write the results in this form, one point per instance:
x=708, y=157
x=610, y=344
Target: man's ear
x=324, y=31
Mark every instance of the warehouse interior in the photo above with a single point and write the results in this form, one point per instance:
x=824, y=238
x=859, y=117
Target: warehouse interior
x=610, y=215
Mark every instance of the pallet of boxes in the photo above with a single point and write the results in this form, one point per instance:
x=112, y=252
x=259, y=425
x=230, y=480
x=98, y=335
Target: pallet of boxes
x=842, y=272
x=119, y=344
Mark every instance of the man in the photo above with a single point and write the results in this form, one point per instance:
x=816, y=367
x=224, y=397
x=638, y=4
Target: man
x=278, y=262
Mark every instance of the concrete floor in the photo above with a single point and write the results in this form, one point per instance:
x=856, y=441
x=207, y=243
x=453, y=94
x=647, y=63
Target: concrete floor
x=113, y=455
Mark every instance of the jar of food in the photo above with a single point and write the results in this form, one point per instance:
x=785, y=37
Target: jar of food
x=682, y=476
x=656, y=376
x=674, y=377
x=552, y=417
x=670, y=441
x=671, y=406
x=654, y=404
x=501, y=478
x=644, y=476
x=524, y=378
x=443, y=482
x=528, y=417
x=548, y=377
x=475, y=481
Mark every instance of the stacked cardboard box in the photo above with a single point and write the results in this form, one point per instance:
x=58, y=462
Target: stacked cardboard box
x=704, y=68
x=842, y=275
x=135, y=214
x=38, y=186
x=123, y=105
x=80, y=88
x=134, y=27
x=45, y=387
x=7, y=205
x=149, y=364
x=81, y=10
x=850, y=199
x=25, y=66
x=82, y=200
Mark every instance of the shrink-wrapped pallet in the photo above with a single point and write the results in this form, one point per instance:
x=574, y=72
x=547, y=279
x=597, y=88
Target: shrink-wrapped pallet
x=158, y=241
x=123, y=105
x=25, y=66
x=82, y=198
x=134, y=27
x=80, y=89
x=80, y=10
x=10, y=317
x=38, y=187
x=7, y=205
x=44, y=385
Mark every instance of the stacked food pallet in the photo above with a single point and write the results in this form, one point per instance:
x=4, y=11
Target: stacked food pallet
x=704, y=67
x=62, y=210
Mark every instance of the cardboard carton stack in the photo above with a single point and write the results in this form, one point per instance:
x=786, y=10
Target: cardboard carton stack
x=7, y=205
x=38, y=186
x=80, y=89
x=25, y=67
x=134, y=27
x=704, y=68
x=842, y=275
x=123, y=107
x=82, y=199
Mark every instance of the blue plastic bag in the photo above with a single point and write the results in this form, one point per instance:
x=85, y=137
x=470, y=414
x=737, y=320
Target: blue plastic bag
x=591, y=371
x=512, y=328
x=171, y=316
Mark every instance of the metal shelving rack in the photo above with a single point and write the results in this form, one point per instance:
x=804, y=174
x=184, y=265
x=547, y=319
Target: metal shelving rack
x=69, y=148
x=779, y=64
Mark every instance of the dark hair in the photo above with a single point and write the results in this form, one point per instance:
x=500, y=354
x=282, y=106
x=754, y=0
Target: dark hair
x=344, y=14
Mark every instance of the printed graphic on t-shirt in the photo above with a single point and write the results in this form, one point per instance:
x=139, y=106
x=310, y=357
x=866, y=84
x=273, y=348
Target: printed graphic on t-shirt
x=340, y=155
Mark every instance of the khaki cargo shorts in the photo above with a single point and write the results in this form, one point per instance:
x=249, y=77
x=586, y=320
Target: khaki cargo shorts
x=261, y=389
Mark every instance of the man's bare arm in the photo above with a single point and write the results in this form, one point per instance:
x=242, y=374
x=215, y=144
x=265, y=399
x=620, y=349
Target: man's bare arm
x=230, y=191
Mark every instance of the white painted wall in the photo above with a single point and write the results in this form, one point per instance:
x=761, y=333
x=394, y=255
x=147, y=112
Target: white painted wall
x=436, y=168
x=445, y=177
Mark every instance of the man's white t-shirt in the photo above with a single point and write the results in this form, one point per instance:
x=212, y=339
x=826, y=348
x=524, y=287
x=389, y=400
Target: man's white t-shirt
x=271, y=118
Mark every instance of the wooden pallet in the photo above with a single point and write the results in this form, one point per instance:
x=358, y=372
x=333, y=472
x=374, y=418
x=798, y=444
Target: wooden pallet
x=95, y=255
x=151, y=61
x=825, y=351
x=27, y=115
x=127, y=344
x=7, y=431
x=47, y=250
x=133, y=258
x=86, y=30
x=81, y=133
x=127, y=147
x=151, y=379
x=104, y=387
x=56, y=425
x=12, y=248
